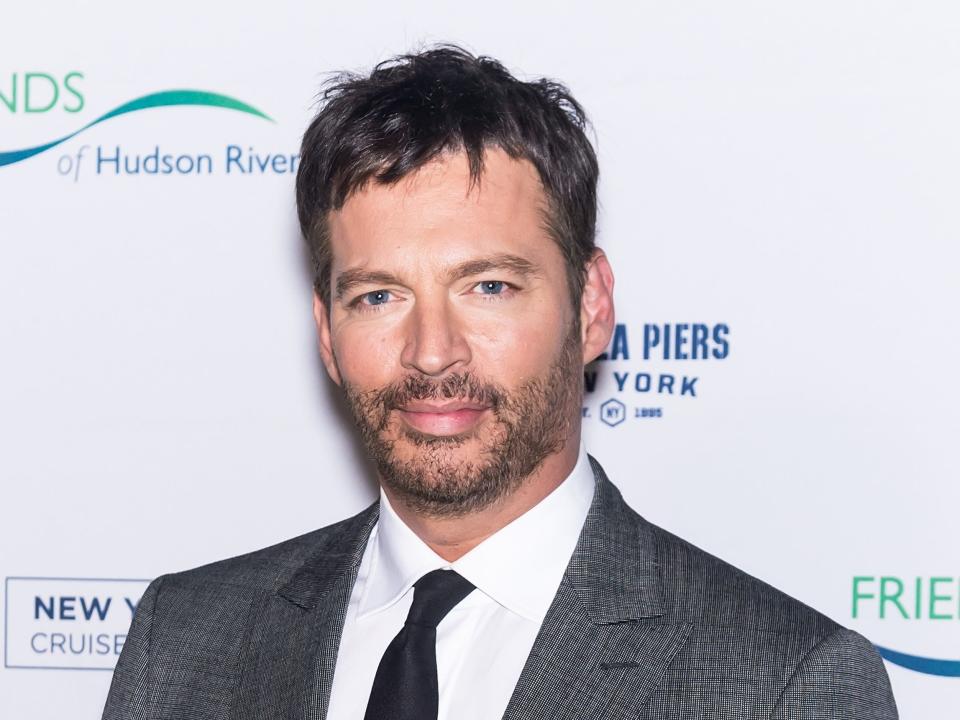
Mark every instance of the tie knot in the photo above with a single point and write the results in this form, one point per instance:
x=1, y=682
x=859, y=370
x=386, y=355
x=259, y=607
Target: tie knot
x=436, y=594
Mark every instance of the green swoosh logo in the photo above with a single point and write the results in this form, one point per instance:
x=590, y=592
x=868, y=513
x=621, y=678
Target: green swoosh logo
x=166, y=98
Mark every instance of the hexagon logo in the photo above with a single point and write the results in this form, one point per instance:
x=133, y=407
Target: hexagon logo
x=613, y=412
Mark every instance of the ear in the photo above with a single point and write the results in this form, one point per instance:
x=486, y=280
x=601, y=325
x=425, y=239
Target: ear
x=322, y=318
x=596, y=307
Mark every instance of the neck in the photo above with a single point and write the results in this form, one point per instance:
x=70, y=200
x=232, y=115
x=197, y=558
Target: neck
x=453, y=537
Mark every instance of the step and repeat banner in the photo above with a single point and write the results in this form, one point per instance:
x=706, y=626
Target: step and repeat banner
x=779, y=199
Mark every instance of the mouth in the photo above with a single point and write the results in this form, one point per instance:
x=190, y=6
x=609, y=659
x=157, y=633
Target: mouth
x=450, y=417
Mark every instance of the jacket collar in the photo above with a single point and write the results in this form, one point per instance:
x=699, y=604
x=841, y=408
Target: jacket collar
x=606, y=643
x=614, y=569
x=295, y=631
x=338, y=555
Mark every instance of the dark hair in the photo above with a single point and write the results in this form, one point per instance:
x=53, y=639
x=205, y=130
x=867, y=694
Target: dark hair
x=412, y=108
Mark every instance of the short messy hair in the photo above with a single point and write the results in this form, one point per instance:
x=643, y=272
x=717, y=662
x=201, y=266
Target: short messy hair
x=413, y=108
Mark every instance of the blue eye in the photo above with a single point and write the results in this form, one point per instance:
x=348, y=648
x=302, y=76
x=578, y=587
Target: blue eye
x=492, y=287
x=377, y=297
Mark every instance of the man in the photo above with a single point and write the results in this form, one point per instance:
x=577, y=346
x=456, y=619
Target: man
x=450, y=211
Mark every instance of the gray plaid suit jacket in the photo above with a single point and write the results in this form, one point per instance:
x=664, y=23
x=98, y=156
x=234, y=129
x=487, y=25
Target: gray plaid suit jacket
x=643, y=625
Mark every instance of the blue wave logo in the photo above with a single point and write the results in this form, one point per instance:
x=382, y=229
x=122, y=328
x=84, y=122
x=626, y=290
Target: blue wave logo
x=928, y=666
x=166, y=98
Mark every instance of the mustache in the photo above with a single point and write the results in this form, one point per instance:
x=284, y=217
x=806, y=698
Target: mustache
x=460, y=386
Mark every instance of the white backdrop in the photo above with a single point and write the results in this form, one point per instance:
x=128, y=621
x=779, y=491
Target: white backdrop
x=784, y=174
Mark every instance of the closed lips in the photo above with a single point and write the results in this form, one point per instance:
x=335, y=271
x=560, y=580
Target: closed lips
x=440, y=408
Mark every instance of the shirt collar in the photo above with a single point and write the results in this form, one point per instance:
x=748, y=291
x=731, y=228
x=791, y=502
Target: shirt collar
x=520, y=566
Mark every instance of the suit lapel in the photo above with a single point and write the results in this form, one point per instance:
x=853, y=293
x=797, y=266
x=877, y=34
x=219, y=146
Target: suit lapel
x=604, y=644
x=296, y=630
x=602, y=649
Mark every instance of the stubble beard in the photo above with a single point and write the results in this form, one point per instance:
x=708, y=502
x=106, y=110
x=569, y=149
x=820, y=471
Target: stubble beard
x=430, y=474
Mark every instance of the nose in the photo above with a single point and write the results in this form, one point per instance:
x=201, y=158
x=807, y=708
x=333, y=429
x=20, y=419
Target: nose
x=434, y=343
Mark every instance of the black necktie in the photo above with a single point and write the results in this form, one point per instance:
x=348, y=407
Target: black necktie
x=405, y=687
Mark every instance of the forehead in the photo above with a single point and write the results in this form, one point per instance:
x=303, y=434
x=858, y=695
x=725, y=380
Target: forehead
x=438, y=214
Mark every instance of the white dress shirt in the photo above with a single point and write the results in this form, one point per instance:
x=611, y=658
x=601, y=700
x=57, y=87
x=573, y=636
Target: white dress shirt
x=483, y=643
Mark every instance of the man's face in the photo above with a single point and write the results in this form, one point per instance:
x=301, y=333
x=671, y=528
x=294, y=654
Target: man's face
x=451, y=331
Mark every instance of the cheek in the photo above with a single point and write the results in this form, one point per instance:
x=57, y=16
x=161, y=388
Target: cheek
x=366, y=359
x=517, y=348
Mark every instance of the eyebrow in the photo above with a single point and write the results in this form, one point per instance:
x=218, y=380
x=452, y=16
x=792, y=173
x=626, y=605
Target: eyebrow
x=502, y=261
x=358, y=276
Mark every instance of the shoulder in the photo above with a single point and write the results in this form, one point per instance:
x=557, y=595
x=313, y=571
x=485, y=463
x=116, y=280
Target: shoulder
x=193, y=624
x=267, y=569
x=840, y=676
x=802, y=662
x=708, y=591
x=685, y=583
